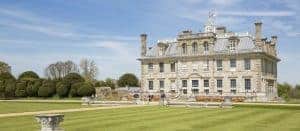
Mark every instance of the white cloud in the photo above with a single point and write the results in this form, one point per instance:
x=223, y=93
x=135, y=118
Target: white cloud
x=256, y=13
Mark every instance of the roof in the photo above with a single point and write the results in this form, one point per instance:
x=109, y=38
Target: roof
x=246, y=44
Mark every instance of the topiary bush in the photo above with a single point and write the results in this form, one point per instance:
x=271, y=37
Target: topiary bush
x=10, y=88
x=28, y=75
x=128, y=79
x=47, y=89
x=74, y=88
x=86, y=89
x=21, y=89
x=62, y=89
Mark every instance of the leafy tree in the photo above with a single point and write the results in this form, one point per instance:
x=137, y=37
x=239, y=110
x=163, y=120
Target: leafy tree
x=62, y=89
x=21, y=89
x=86, y=89
x=2, y=89
x=47, y=89
x=74, y=88
x=7, y=76
x=110, y=83
x=73, y=78
x=28, y=75
x=33, y=87
x=128, y=79
x=4, y=67
x=100, y=83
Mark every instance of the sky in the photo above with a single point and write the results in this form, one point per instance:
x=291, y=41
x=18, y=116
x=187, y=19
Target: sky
x=36, y=33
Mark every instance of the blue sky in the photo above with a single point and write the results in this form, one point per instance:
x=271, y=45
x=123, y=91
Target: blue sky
x=35, y=33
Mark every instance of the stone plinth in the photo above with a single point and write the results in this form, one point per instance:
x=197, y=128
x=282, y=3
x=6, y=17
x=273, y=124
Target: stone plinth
x=227, y=102
x=50, y=122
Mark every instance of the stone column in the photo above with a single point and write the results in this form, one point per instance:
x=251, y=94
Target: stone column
x=50, y=122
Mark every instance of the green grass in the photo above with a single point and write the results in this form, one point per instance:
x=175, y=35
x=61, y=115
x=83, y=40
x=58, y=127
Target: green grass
x=13, y=107
x=246, y=118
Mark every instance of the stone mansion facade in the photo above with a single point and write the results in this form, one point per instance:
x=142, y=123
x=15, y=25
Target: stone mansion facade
x=215, y=62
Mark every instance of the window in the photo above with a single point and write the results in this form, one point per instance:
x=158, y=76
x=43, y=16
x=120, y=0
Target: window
x=220, y=92
x=184, y=48
x=184, y=91
x=219, y=83
x=161, y=84
x=150, y=66
x=219, y=65
x=206, y=91
x=247, y=64
x=247, y=84
x=161, y=67
x=206, y=83
x=184, y=83
x=195, y=48
x=206, y=46
x=233, y=91
x=232, y=63
x=233, y=83
x=195, y=91
x=195, y=83
x=232, y=46
x=206, y=65
x=173, y=67
x=150, y=85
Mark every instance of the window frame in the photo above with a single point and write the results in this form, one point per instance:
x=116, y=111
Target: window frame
x=161, y=67
x=184, y=83
x=247, y=84
x=247, y=64
x=219, y=65
x=161, y=84
x=233, y=83
x=195, y=83
x=233, y=63
x=150, y=84
x=206, y=83
x=219, y=83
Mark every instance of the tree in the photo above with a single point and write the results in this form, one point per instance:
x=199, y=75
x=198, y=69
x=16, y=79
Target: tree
x=110, y=83
x=128, y=79
x=60, y=69
x=4, y=67
x=33, y=87
x=47, y=89
x=89, y=69
x=7, y=76
x=86, y=89
x=2, y=89
x=74, y=89
x=28, y=75
x=100, y=83
x=21, y=89
x=10, y=88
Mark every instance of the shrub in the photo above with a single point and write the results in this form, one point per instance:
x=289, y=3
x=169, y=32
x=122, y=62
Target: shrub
x=21, y=89
x=72, y=78
x=2, y=89
x=128, y=79
x=7, y=76
x=28, y=75
x=110, y=83
x=86, y=89
x=47, y=89
x=62, y=89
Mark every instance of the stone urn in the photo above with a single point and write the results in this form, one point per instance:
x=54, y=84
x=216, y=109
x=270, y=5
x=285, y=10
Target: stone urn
x=50, y=122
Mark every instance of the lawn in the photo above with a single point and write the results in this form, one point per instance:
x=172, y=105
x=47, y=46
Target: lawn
x=156, y=118
x=13, y=107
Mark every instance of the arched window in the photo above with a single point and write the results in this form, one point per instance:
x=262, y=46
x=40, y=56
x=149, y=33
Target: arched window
x=184, y=48
x=195, y=47
x=206, y=46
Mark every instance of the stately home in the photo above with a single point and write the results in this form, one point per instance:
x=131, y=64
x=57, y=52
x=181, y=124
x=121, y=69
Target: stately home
x=215, y=62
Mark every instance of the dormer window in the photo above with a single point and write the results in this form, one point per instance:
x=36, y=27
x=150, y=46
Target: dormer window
x=184, y=48
x=233, y=42
x=195, y=47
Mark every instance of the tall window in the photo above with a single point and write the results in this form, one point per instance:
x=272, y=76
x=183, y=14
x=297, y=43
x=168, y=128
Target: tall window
x=206, y=46
x=150, y=85
x=161, y=67
x=232, y=63
x=247, y=64
x=247, y=84
x=195, y=48
x=150, y=66
x=232, y=46
x=195, y=83
x=195, y=91
x=219, y=83
x=219, y=65
x=161, y=84
x=173, y=67
x=184, y=48
x=233, y=83
x=206, y=83
x=184, y=83
x=206, y=65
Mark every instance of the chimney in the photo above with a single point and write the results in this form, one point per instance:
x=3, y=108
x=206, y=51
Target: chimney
x=258, y=26
x=274, y=40
x=221, y=30
x=144, y=44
